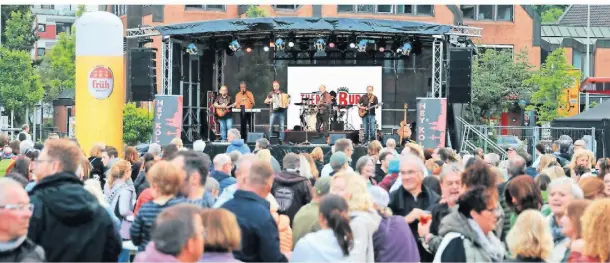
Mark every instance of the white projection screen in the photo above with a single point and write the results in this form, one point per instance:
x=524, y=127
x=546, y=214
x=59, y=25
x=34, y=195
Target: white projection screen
x=348, y=82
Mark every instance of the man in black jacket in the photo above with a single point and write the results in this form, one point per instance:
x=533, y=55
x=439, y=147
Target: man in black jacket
x=290, y=189
x=260, y=240
x=67, y=221
x=15, y=213
x=413, y=199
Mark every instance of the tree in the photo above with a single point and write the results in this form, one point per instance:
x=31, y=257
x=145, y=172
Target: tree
x=255, y=11
x=497, y=83
x=551, y=15
x=554, y=77
x=20, y=86
x=20, y=33
x=6, y=14
x=137, y=124
x=80, y=10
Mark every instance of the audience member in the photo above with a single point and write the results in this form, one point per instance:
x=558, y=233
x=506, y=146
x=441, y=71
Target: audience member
x=530, y=240
x=222, y=171
x=347, y=148
x=195, y=167
x=291, y=190
x=222, y=235
x=236, y=143
x=305, y=221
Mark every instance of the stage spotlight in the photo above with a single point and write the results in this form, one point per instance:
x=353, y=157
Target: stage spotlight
x=266, y=48
x=279, y=44
x=352, y=45
x=320, y=46
x=248, y=49
x=331, y=45
x=381, y=49
x=362, y=45
x=405, y=49
x=235, y=46
x=290, y=44
x=192, y=49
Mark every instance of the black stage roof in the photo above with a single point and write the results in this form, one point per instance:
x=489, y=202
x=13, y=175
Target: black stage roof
x=301, y=24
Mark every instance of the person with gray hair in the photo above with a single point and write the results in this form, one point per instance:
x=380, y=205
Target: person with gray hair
x=178, y=236
x=398, y=183
x=263, y=144
x=212, y=186
x=342, y=145
x=222, y=171
x=492, y=159
x=412, y=199
x=516, y=166
x=24, y=146
x=15, y=214
x=290, y=189
x=155, y=149
x=260, y=235
x=199, y=145
x=365, y=166
x=561, y=192
x=236, y=142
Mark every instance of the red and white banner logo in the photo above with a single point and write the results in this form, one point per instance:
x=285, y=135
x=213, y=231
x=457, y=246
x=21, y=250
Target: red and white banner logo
x=100, y=82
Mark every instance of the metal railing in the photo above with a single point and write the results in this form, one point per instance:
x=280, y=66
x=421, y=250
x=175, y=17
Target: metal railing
x=473, y=138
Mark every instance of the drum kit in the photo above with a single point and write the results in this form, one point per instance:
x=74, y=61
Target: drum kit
x=309, y=110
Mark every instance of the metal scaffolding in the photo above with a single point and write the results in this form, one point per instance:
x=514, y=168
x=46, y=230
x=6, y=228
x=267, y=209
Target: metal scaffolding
x=437, y=68
x=167, y=48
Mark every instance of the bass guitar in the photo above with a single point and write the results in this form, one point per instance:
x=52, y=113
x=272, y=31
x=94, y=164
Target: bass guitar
x=365, y=111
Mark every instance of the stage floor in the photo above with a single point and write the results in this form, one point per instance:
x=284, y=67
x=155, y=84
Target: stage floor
x=278, y=151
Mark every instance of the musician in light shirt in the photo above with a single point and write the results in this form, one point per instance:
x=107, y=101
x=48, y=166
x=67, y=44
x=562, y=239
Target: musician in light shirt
x=222, y=103
x=368, y=121
x=244, y=100
x=278, y=113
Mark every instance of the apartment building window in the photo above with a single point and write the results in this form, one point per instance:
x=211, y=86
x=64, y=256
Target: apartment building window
x=205, y=7
x=50, y=7
x=498, y=48
x=488, y=12
x=425, y=10
x=63, y=27
x=119, y=10
x=41, y=27
x=40, y=51
x=286, y=7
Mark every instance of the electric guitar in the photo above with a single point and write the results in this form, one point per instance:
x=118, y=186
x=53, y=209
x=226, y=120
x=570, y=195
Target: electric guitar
x=364, y=112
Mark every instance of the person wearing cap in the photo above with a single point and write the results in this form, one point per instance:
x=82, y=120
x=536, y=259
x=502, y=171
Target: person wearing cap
x=306, y=219
x=338, y=162
x=393, y=241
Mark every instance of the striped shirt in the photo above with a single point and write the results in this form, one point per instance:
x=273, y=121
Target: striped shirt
x=141, y=227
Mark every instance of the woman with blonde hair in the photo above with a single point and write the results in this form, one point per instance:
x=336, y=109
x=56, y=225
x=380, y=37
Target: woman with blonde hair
x=554, y=172
x=561, y=192
x=264, y=155
x=121, y=197
x=547, y=160
x=93, y=186
x=579, y=165
x=223, y=235
x=312, y=167
x=530, y=239
x=132, y=156
x=373, y=149
x=595, y=233
x=318, y=157
x=364, y=219
x=95, y=159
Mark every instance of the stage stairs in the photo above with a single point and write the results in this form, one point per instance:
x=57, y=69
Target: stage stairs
x=472, y=138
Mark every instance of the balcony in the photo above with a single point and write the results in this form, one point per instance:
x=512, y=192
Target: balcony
x=54, y=12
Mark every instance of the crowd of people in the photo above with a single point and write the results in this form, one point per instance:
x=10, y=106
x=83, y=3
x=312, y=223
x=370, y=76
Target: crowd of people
x=172, y=204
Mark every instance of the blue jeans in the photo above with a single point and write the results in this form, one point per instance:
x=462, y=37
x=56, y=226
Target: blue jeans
x=277, y=118
x=368, y=123
x=124, y=256
x=225, y=125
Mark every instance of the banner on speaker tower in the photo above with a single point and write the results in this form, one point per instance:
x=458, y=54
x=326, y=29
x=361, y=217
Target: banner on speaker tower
x=431, y=122
x=168, y=119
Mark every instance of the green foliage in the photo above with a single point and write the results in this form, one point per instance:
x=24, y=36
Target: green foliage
x=6, y=14
x=498, y=81
x=137, y=124
x=58, y=68
x=255, y=11
x=592, y=104
x=540, y=9
x=19, y=32
x=80, y=10
x=20, y=86
x=554, y=77
x=551, y=15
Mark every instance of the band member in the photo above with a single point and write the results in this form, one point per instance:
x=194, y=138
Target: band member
x=278, y=113
x=223, y=111
x=335, y=110
x=244, y=100
x=368, y=121
x=324, y=107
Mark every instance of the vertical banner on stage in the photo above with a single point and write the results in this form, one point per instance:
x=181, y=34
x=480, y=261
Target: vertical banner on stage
x=168, y=118
x=431, y=122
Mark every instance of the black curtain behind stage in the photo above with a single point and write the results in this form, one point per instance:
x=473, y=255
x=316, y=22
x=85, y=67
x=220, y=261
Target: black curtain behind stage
x=403, y=80
x=279, y=151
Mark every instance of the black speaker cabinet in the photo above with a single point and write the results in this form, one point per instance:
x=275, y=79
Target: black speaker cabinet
x=254, y=136
x=460, y=75
x=143, y=73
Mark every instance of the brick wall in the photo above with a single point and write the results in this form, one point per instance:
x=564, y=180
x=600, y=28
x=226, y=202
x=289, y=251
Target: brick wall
x=602, y=60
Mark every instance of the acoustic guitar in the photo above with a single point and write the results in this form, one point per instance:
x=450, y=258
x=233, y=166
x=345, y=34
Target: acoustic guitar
x=221, y=112
x=404, y=131
x=365, y=111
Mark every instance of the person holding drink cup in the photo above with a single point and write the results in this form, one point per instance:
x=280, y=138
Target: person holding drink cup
x=412, y=199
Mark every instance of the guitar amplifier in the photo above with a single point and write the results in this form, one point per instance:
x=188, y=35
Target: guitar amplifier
x=337, y=126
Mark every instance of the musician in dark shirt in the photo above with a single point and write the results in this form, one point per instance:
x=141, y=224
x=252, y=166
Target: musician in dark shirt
x=324, y=107
x=368, y=121
x=223, y=111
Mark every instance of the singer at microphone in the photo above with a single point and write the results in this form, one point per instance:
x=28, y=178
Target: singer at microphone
x=245, y=100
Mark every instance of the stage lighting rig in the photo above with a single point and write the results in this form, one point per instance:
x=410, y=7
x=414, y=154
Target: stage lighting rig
x=405, y=49
x=280, y=45
x=266, y=48
x=320, y=46
x=363, y=44
x=192, y=49
x=235, y=46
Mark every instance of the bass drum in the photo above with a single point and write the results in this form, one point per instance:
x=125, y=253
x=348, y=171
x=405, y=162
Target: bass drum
x=311, y=121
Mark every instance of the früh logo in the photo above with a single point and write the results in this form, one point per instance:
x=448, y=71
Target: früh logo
x=100, y=82
x=344, y=97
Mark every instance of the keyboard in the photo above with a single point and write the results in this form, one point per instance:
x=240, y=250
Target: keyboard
x=247, y=110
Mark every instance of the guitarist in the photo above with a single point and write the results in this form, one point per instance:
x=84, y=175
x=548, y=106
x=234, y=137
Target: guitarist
x=368, y=121
x=244, y=100
x=222, y=105
x=324, y=107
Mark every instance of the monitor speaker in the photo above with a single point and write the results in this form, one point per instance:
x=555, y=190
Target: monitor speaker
x=336, y=136
x=254, y=136
x=460, y=75
x=143, y=73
